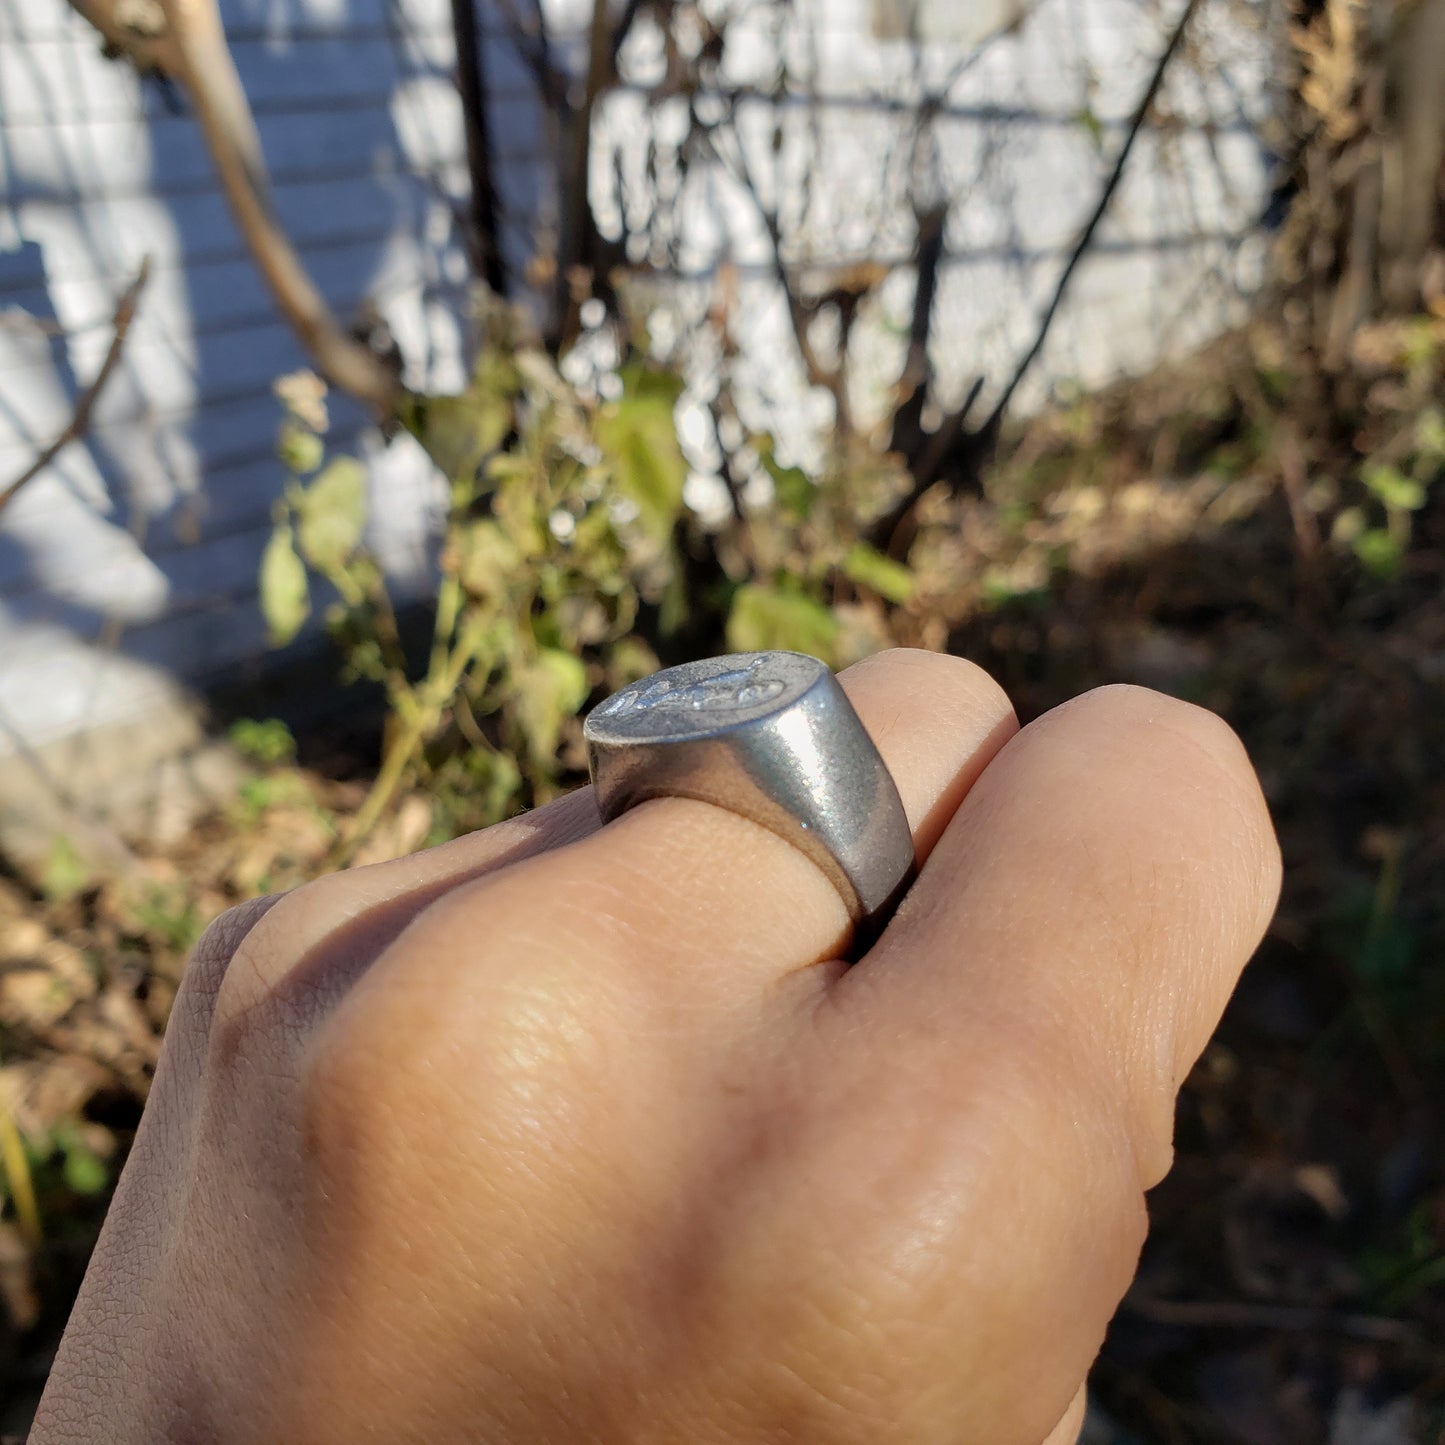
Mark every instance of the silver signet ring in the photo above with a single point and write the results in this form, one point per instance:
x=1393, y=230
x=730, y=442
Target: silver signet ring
x=773, y=737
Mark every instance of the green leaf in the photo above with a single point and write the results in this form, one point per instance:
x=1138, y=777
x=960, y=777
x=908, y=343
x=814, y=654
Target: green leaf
x=1348, y=525
x=630, y=658
x=569, y=674
x=285, y=597
x=763, y=618
x=638, y=435
x=487, y=559
x=331, y=515
x=300, y=449
x=1381, y=554
x=1092, y=126
x=1419, y=345
x=1430, y=433
x=85, y=1172
x=267, y=741
x=493, y=782
x=869, y=568
x=652, y=383
x=1393, y=487
x=549, y=690
x=65, y=872
x=461, y=432
x=793, y=488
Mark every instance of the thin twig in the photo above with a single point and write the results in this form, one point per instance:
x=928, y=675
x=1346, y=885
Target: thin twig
x=741, y=171
x=79, y=422
x=578, y=230
x=1106, y=197
x=485, y=237
x=892, y=528
x=624, y=29
x=1254, y=1314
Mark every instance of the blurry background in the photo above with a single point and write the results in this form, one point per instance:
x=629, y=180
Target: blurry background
x=383, y=381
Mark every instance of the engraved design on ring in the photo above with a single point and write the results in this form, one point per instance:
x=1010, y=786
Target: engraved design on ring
x=770, y=736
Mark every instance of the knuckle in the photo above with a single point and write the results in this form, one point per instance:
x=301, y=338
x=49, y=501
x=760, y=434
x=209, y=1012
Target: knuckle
x=918, y=665
x=1194, y=748
x=213, y=955
x=272, y=945
x=342, y=1111
x=1139, y=715
x=506, y=1042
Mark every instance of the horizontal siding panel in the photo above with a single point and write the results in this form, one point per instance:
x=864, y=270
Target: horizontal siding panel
x=205, y=301
x=168, y=157
x=94, y=289
x=193, y=576
x=254, y=19
x=110, y=235
x=226, y=639
x=57, y=684
x=43, y=82
x=198, y=315
x=46, y=19
x=223, y=428
x=357, y=152
x=237, y=494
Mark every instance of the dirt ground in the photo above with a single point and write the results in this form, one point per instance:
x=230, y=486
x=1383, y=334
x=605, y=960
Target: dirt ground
x=1293, y=1289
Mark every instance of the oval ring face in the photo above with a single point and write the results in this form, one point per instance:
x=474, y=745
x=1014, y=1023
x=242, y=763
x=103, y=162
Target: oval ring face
x=702, y=697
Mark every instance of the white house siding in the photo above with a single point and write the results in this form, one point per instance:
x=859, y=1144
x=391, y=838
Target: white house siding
x=128, y=568
x=1032, y=99
x=130, y=564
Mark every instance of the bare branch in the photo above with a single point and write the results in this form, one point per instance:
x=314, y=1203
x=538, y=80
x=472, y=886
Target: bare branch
x=577, y=243
x=203, y=64
x=1106, y=197
x=535, y=52
x=913, y=385
x=1257, y=1315
x=954, y=438
x=185, y=40
x=137, y=31
x=485, y=231
x=79, y=423
x=799, y=314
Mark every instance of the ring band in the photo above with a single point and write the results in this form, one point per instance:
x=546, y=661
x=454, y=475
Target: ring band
x=772, y=737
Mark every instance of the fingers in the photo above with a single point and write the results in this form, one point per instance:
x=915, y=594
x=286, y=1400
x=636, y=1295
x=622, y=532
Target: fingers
x=1134, y=828
x=681, y=891
x=1002, y=1068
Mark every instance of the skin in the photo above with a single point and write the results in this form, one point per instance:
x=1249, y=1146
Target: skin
x=565, y=1134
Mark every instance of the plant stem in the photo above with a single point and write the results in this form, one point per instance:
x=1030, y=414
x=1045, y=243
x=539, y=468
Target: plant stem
x=393, y=768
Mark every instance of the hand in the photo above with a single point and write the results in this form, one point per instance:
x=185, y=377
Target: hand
x=559, y=1134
